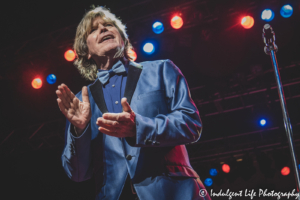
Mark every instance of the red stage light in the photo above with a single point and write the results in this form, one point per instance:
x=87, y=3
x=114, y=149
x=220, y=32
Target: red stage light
x=37, y=83
x=176, y=22
x=247, y=22
x=132, y=54
x=69, y=55
x=285, y=171
x=225, y=168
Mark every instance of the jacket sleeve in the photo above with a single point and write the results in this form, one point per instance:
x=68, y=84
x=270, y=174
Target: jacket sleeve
x=76, y=156
x=182, y=125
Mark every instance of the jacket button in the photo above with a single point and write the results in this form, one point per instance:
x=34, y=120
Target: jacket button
x=128, y=157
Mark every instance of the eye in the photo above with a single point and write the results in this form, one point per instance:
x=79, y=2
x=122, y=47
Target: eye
x=108, y=24
x=93, y=29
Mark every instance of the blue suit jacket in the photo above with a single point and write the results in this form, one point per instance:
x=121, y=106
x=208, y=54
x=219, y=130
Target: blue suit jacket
x=166, y=120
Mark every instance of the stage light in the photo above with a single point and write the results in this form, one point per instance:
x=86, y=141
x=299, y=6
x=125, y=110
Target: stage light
x=37, y=83
x=208, y=182
x=262, y=122
x=286, y=11
x=213, y=172
x=69, y=55
x=149, y=48
x=51, y=78
x=176, y=22
x=158, y=27
x=247, y=22
x=225, y=168
x=267, y=15
x=132, y=54
x=285, y=171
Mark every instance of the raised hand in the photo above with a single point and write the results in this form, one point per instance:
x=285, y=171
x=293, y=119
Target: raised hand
x=118, y=124
x=77, y=112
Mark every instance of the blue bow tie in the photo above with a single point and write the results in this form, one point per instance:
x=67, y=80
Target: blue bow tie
x=104, y=75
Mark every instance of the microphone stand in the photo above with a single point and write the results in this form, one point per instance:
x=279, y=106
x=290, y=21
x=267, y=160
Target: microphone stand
x=271, y=49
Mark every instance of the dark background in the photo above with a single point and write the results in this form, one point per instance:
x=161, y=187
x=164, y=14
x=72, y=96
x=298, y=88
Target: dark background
x=230, y=77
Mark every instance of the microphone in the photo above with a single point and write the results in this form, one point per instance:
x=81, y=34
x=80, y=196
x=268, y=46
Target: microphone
x=268, y=36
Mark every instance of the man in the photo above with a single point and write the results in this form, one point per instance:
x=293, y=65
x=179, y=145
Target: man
x=133, y=146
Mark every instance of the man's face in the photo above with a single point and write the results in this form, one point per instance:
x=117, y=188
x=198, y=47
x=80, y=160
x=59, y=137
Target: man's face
x=104, y=39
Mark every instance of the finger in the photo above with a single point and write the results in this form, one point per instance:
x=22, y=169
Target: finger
x=117, y=116
x=103, y=122
x=85, y=95
x=108, y=132
x=62, y=98
x=62, y=107
x=125, y=105
x=68, y=91
x=75, y=103
x=63, y=91
x=108, y=127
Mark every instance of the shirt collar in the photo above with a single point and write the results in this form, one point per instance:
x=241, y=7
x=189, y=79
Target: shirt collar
x=118, y=63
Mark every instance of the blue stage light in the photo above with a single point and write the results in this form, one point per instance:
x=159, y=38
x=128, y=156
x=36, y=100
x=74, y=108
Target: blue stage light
x=213, y=172
x=286, y=11
x=208, y=182
x=158, y=27
x=267, y=15
x=51, y=78
x=149, y=48
x=263, y=122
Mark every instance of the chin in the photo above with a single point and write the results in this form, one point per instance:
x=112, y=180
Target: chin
x=113, y=50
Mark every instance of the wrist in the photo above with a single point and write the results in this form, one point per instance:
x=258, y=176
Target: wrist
x=79, y=130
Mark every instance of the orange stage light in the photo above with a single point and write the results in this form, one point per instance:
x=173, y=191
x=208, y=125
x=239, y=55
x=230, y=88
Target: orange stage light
x=176, y=22
x=225, y=168
x=132, y=54
x=69, y=55
x=285, y=171
x=37, y=83
x=247, y=22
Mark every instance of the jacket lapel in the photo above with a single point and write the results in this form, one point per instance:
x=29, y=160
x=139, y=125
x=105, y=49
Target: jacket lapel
x=134, y=71
x=97, y=93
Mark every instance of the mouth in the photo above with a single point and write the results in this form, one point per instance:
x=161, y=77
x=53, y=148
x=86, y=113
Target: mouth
x=106, y=38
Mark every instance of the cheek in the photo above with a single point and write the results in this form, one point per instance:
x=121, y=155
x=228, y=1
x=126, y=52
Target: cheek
x=90, y=40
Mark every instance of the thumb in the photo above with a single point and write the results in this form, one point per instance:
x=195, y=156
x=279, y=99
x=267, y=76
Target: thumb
x=85, y=95
x=125, y=105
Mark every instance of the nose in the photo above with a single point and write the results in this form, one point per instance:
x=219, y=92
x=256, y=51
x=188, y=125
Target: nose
x=102, y=28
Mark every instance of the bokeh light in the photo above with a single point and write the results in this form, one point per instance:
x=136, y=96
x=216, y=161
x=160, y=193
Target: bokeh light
x=262, y=122
x=149, y=48
x=213, y=172
x=225, y=168
x=286, y=11
x=247, y=22
x=176, y=22
x=208, y=182
x=285, y=171
x=37, y=83
x=267, y=15
x=132, y=54
x=51, y=78
x=158, y=27
x=70, y=55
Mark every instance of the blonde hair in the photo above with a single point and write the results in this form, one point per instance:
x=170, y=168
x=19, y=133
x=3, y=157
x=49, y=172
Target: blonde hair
x=87, y=67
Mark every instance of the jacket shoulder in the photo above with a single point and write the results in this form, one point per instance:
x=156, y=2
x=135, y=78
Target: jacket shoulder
x=156, y=63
